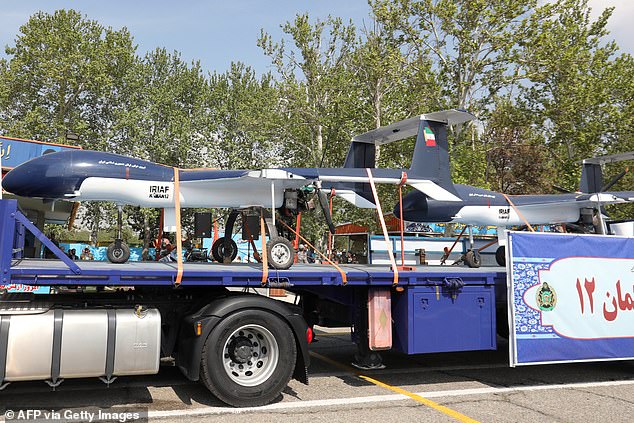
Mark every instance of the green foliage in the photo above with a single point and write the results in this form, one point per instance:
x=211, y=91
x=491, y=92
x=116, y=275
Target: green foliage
x=167, y=112
x=61, y=76
x=571, y=92
x=551, y=61
x=471, y=43
x=313, y=75
x=63, y=234
x=468, y=164
x=548, y=85
x=244, y=112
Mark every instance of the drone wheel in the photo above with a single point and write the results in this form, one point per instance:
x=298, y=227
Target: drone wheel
x=472, y=258
x=500, y=256
x=118, y=252
x=281, y=253
x=219, y=253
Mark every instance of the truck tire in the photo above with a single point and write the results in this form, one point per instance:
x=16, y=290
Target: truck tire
x=118, y=254
x=218, y=250
x=248, y=358
x=281, y=253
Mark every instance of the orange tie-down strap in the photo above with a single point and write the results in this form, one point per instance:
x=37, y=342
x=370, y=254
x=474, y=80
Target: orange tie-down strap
x=344, y=278
x=379, y=211
x=518, y=212
x=179, y=241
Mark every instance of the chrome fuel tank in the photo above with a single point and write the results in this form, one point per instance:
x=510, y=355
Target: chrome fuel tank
x=138, y=346
x=84, y=343
x=54, y=344
x=29, y=346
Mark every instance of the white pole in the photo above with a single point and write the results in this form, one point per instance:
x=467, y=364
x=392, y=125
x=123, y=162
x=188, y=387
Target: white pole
x=273, y=201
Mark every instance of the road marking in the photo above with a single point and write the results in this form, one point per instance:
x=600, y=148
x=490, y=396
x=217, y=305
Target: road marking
x=377, y=398
x=389, y=371
x=503, y=390
x=445, y=410
x=429, y=403
x=291, y=405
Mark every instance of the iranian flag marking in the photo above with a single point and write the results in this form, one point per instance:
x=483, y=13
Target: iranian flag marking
x=430, y=139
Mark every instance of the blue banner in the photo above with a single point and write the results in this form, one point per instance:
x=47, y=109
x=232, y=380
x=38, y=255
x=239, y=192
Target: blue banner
x=571, y=297
x=15, y=151
x=32, y=289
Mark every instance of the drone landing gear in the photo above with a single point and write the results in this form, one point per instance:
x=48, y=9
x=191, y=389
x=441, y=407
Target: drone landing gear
x=500, y=255
x=225, y=249
x=281, y=253
x=471, y=258
x=118, y=251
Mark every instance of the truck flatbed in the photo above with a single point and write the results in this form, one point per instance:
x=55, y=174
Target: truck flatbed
x=55, y=272
x=234, y=341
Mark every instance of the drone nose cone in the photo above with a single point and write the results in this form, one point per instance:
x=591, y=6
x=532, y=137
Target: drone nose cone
x=17, y=181
x=37, y=178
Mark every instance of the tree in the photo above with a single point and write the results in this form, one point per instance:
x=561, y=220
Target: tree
x=575, y=94
x=392, y=85
x=468, y=49
x=169, y=110
x=313, y=84
x=244, y=112
x=472, y=43
x=61, y=76
x=517, y=159
x=67, y=73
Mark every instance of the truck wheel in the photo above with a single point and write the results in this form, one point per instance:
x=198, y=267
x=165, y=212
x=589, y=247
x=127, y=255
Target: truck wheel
x=500, y=256
x=218, y=250
x=118, y=254
x=248, y=358
x=281, y=253
x=472, y=258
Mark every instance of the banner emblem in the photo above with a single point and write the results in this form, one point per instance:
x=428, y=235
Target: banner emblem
x=546, y=297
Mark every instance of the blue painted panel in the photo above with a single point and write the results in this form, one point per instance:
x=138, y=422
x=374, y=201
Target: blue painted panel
x=7, y=234
x=15, y=152
x=571, y=297
x=430, y=319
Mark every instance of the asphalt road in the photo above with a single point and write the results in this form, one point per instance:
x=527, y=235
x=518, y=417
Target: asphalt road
x=474, y=386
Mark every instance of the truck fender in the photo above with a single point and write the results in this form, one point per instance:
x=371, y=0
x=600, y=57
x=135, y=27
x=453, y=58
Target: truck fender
x=190, y=344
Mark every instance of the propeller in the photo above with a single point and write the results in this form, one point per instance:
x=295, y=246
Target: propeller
x=325, y=207
x=609, y=185
x=616, y=179
x=601, y=208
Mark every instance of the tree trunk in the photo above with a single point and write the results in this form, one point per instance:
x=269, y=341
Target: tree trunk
x=378, y=97
x=146, y=231
x=94, y=231
x=319, y=139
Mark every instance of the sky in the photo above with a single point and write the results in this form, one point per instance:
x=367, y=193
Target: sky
x=219, y=32
x=216, y=32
